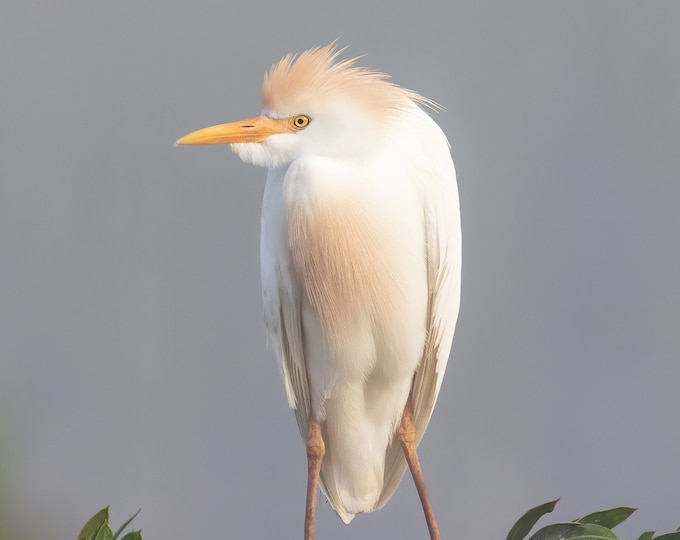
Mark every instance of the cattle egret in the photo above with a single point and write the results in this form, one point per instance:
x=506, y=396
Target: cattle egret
x=361, y=259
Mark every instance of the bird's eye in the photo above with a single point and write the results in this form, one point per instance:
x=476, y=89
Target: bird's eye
x=300, y=121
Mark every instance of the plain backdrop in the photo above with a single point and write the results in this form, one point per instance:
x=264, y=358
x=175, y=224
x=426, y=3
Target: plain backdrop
x=134, y=369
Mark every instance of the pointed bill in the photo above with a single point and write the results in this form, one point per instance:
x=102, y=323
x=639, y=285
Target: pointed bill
x=243, y=131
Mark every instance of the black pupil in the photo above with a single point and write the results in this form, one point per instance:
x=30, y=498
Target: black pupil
x=300, y=121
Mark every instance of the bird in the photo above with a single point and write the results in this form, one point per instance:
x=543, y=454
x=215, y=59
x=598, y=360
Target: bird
x=360, y=253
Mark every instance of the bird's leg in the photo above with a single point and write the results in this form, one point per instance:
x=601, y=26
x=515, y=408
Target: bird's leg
x=407, y=437
x=315, y=451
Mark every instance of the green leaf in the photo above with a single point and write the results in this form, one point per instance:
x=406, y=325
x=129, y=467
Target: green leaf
x=524, y=524
x=647, y=535
x=134, y=535
x=669, y=536
x=104, y=533
x=608, y=518
x=95, y=525
x=555, y=532
x=122, y=527
x=574, y=531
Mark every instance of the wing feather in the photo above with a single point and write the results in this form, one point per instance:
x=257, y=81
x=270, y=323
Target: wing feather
x=284, y=323
x=443, y=251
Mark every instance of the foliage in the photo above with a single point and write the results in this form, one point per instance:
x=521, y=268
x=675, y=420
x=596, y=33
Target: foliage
x=97, y=528
x=595, y=526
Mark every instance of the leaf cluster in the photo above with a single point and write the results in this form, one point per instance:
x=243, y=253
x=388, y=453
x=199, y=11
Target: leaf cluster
x=595, y=526
x=97, y=528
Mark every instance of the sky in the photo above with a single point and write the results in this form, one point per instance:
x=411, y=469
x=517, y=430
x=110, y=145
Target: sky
x=134, y=368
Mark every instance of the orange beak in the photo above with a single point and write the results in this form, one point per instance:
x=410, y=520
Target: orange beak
x=249, y=130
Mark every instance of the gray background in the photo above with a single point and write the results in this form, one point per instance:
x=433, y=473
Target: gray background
x=134, y=369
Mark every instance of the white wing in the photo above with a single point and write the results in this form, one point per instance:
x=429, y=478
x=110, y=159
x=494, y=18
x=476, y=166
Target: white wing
x=281, y=303
x=443, y=250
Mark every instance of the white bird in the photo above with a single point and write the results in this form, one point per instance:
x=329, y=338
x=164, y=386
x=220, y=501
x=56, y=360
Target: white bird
x=360, y=261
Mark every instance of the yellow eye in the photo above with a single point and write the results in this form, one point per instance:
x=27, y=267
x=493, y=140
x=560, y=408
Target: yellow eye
x=300, y=121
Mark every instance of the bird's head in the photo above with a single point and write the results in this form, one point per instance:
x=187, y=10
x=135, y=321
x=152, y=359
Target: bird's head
x=315, y=105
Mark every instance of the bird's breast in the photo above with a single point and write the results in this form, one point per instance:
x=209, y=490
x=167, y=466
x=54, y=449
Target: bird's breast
x=339, y=249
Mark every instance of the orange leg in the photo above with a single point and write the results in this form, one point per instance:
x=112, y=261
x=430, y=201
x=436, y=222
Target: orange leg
x=407, y=437
x=315, y=451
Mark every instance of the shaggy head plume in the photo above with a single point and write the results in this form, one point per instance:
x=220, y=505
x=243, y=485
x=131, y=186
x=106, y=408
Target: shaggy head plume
x=317, y=75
